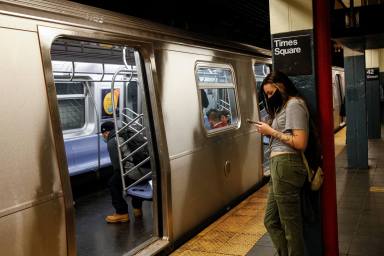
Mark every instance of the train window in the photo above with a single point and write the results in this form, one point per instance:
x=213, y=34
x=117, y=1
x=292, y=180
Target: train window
x=71, y=100
x=217, y=96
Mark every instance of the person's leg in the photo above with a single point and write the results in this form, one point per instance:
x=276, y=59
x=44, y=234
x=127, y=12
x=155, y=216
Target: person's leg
x=273, y=225
x=272, y=218
x=136, y=201
x=287, y=187
x=118, y=202
x=116, y=188
x=137, y=207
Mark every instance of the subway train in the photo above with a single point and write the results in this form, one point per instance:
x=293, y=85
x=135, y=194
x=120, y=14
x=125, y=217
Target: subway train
x=67, y=68
x=338, y=91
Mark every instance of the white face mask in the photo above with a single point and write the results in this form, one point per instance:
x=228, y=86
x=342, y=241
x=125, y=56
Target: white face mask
x=105, y=137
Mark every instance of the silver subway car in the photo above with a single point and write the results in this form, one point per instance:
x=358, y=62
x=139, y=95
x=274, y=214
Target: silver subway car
x=338, y=92
x=190, y=96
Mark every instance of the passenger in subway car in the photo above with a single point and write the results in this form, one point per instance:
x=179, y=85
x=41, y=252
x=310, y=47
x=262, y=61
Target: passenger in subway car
x=115, y=184
x=289, y=135
x=223, y=119
x=217, y=119
x=213, y=118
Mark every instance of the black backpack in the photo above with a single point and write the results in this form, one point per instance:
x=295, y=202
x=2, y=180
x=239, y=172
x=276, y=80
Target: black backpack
x=135, y=143
x=313, y=152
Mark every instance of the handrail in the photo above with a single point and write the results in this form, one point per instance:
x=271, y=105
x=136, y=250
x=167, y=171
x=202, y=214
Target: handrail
x=130, y=122
x=130, y=119
x=97, y=123
x=134, y=151
x=128, y=140
x=73, y=72
x=102, y=76
x=115, y=122
x=224, y=102
x=139, y=180
x=137, y=166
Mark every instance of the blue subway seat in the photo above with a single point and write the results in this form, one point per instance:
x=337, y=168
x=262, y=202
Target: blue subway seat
x=82, y=154
x=143, y=191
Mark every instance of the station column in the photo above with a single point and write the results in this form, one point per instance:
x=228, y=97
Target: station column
x=355, y=96
x=300, y=38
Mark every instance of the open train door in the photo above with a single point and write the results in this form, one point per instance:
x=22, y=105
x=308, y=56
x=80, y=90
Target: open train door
x=120, y=59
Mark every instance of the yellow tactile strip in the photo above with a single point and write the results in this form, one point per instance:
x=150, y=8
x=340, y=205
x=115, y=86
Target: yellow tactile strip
x=235, y=233
x=340, y=141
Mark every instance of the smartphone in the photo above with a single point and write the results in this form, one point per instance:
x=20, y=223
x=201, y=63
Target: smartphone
x=252, y=121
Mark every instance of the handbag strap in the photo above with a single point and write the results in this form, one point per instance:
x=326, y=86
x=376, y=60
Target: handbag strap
x=307, y=167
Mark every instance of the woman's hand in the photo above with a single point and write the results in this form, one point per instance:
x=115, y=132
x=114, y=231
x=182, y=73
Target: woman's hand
x=264, y=128
x=298, y=139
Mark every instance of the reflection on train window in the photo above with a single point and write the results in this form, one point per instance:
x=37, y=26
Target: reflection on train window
x=71, y=100
x=217, y=96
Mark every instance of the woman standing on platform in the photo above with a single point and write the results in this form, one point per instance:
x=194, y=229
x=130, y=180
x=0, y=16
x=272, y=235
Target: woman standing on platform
x=289, y=136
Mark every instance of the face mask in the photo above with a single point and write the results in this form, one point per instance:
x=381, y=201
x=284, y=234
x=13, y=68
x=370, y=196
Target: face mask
x=275, y=101
x=105, y=139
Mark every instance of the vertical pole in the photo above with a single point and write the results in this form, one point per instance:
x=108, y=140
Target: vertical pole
x=325, y=108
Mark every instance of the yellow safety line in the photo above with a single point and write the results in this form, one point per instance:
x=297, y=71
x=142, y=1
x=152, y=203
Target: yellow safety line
x=376, y=189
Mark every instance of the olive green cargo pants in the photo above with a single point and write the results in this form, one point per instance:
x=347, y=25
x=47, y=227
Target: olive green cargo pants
x=283, y=218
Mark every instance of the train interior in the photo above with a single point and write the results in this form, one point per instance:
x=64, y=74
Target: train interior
x=93, y=80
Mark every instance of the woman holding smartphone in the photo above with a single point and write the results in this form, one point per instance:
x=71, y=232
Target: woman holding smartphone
x=289, y=136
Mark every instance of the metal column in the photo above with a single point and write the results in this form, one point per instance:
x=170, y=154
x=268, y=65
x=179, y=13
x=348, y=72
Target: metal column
x=325, y=109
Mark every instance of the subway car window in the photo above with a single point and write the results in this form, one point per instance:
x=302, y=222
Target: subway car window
x=217, y=96
x=71, y=100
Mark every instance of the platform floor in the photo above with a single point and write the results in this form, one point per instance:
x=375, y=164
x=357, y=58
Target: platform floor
x=360, y=198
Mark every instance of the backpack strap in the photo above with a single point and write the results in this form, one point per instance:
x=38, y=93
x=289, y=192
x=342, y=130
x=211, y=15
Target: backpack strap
x=310, y=174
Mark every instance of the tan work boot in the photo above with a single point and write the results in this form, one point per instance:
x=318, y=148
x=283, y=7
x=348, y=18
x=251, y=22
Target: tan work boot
x=138, y=213
x=117, y=218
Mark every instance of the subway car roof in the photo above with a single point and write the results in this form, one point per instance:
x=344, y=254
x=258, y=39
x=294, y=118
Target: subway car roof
x=70, y=13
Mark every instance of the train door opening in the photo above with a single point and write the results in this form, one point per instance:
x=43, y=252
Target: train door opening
x=98, y=83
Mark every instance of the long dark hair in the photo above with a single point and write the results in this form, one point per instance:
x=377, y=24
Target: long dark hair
x=283, y=84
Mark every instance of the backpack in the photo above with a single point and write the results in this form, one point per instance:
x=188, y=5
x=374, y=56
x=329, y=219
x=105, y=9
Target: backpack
x=313, y=152
x=135, y=143
x=312, y=157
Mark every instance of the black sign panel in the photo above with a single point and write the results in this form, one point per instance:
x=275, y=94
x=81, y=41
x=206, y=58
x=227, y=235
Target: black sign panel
x=372, y=74
x=292, y=53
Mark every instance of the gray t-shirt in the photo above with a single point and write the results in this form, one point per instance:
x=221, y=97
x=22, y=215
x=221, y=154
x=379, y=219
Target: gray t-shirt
x=294, y=116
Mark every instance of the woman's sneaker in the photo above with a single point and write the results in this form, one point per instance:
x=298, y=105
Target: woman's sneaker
x=117, y=218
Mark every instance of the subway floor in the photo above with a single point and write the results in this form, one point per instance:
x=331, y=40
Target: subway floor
x=360, y=199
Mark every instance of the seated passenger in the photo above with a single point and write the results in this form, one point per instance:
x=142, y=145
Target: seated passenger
x=224, y=119
x=213, y=118
x=115, y=183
